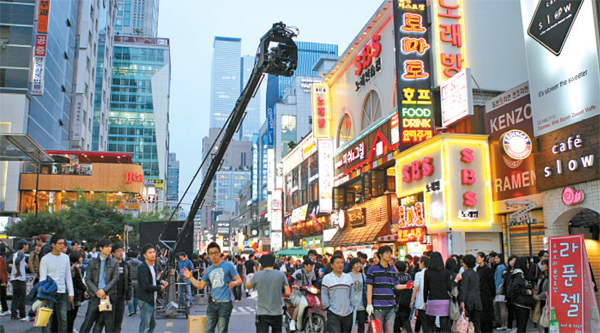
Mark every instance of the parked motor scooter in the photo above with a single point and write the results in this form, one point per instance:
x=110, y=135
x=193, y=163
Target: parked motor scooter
x=314, y=316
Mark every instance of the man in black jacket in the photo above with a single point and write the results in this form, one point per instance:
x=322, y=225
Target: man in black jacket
x=148, y=286
x=101, y=280
x=124, y=287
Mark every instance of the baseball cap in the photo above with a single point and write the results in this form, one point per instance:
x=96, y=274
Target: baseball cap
x=23, y=241
x=42, y=237
x=308, y=262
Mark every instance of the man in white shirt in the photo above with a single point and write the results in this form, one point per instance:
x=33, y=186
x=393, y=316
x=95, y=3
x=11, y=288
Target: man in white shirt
x=417, y=300
x=56, y=264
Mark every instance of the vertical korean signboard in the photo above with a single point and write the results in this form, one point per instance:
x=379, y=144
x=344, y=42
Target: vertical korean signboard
x=39, y=53
x=413, y=68
x=570, y=289
x=562, y=59
x=325, y=152
x=255, y=167
x=451, y=51
x=321, y=117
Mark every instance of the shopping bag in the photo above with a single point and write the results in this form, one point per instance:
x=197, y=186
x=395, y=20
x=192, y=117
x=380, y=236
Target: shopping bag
x=105, y=304
x=42, y=315
x=544, y=317
x=461, y=325
x=535, y=314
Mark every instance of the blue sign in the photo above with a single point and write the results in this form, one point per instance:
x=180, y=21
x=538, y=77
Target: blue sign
x=265, y=166
x=270, y=127
x=255, y=167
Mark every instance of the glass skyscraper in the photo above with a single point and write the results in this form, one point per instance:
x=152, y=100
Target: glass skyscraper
x=173, y=181
x=139, y=103
x=252, y=121
x=137, y=18
x=308, y=55
x=225, y=79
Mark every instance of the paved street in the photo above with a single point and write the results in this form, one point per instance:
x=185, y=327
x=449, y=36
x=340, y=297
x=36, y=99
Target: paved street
x=242, y=321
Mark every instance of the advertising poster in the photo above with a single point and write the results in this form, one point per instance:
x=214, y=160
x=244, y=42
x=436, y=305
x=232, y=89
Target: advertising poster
x=254, y=167
x=562, y=58
x=511, y=110
x=571, y=291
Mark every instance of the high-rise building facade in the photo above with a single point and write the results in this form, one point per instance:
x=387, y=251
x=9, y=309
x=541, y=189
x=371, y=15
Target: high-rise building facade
x=252, y=121
x=139, y=103
x=308, y=55
x=229, y=182
x=137, y=18
x=225, y=79
x=94, y=19
x=173, y=181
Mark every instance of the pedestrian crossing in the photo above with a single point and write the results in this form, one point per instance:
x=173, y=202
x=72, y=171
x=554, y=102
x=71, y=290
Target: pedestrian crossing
x=243, y=311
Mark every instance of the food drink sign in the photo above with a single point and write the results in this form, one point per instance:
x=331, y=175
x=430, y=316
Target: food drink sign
x=413, y=69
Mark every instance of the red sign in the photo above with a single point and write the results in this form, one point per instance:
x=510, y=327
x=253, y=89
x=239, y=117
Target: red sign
x=416, y=234
x=133, y=177
x=571, y=291
x=572, y=197
x=368, y=61
x=43, y=13
x=40, y=45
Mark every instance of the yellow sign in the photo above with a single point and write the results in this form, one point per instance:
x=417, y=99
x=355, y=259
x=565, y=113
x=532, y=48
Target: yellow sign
x=452, y=171
x=159, y=184
x=449, y=38
x=321, y=115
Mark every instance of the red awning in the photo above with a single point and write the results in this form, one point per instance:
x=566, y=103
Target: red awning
x=94, y=156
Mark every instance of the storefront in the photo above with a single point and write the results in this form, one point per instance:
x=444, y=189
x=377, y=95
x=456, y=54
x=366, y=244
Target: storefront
x=509, y=125
x=569, y=177
x=108, y=176
x=444, y=186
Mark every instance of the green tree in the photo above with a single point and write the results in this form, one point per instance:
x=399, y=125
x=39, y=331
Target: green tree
x=44, y=223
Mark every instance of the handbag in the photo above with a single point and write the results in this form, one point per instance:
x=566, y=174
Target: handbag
x=544, y=318
x=454, y=310
x=535, y=315
x=42, y=316
x=461, y=325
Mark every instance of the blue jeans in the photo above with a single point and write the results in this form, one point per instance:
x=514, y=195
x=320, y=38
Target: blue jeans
x=147, y=317
x=133, y=304
x=59, y=311
x=218, y=312
x=385, y=317
x=185, y=293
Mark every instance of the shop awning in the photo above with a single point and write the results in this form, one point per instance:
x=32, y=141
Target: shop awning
x=363, y=235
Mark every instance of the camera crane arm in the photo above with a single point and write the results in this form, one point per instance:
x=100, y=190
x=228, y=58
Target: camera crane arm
x=277, y=54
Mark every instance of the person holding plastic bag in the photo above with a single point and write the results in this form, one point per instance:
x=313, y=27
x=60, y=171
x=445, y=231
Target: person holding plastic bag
x=468, y=295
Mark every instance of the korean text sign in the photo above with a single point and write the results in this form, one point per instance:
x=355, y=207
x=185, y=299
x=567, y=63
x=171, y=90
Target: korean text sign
x=571, y=292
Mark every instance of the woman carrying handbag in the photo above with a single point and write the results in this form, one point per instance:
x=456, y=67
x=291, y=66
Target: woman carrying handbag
x=468, y=295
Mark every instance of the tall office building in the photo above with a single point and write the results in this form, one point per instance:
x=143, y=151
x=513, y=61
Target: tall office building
x=139, y=103
x=308, y=55
x=252, y=121
x=173, y=181
x=42, y=109
x=225, y=79
x=137, y=18
x=94, y=19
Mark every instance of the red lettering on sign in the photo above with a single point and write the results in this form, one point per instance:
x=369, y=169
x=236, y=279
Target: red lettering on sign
x=467, y=155
x=370, y=51
x=417, y=170
x=467, y=176
x=470, y=199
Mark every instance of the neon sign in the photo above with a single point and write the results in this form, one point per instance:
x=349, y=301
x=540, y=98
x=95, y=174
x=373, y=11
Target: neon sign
x=451, y=53
x=412, y=235
x=368, y=61
x=321, y=113
x=413, y=72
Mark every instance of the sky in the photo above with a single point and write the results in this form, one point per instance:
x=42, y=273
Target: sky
x=192, y=25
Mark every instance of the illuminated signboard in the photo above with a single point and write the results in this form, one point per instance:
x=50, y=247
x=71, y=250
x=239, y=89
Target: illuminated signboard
x=368, y=62
x=415, y=234
x=326, y=174
x=321, y=116
x=133, y=177
x=457, y=98
x=413, y=70
x=451, y=51
x=452, y=174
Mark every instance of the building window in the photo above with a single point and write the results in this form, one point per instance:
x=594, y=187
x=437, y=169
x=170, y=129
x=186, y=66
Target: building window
x=371, y=110
x=345, y=131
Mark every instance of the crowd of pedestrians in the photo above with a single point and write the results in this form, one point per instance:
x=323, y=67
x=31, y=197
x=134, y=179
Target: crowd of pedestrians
x=425, y=293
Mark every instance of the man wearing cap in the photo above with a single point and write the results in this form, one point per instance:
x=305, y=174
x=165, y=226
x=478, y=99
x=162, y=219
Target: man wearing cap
x=18, y=279
x=301, y=277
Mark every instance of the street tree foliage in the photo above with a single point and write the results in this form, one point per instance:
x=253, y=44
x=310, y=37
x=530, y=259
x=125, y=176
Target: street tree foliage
x=85, y=219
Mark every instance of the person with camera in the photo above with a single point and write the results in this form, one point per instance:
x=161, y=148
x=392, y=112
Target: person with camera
x=101, y=280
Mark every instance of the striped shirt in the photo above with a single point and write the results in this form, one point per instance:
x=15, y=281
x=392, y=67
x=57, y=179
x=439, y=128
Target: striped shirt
x=383, y=280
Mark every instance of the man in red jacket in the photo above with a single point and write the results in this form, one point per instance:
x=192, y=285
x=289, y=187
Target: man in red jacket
x=3, y=282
